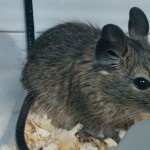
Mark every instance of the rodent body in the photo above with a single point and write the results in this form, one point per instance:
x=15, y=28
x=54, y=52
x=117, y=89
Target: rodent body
x=82, y=74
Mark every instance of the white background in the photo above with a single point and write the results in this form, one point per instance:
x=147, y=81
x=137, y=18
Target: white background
x=47, y=13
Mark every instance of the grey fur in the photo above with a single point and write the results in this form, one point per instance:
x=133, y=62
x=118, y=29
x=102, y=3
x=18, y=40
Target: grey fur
x=70, y=86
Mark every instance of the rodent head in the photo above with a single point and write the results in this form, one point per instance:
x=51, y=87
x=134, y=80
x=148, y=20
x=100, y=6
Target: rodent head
x=125, y=61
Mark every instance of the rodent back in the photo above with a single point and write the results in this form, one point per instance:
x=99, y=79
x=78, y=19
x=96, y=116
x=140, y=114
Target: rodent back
x=60, y=46
x=60, y=56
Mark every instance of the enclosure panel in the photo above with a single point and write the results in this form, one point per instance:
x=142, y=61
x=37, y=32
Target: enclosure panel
x=48, y=13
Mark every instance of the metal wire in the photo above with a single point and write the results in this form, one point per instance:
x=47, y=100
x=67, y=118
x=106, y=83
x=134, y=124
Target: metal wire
x=29, y=19
x=20, y=138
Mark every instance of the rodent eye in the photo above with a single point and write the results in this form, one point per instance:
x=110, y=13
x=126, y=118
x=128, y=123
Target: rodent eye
x=141, y=83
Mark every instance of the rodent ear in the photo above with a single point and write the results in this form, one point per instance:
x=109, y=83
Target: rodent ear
x=111, y=46
x=138, y=24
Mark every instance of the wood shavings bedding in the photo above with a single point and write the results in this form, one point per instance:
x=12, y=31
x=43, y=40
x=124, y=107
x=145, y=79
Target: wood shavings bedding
x=40, y=134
